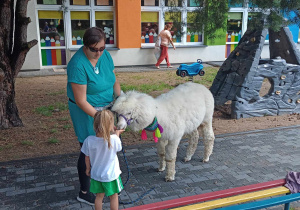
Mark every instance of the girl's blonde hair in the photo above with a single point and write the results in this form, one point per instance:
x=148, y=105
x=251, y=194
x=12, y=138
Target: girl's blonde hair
x=103, y=121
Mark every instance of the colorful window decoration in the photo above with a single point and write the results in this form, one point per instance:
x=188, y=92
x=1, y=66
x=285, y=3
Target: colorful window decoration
x=192, y=34
x=79, y=2
x=104, y=2
x=49, y=2
x=149, y=27
x=234, y=31
x=80, y=21
x=52, y=39
x=105, y=20
x=149, y=2
x=174, y=18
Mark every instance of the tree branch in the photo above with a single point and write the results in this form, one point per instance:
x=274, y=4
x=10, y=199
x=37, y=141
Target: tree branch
x=5, y=24
x=21, y=47
x=21, y=23
x=22, y=55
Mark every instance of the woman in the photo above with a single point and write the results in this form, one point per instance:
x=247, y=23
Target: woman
x=166, y=39
x=92, y=85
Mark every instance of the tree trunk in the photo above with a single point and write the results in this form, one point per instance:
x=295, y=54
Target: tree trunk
x=13, y=50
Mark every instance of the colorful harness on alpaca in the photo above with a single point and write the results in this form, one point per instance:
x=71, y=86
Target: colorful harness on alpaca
x=155, y=127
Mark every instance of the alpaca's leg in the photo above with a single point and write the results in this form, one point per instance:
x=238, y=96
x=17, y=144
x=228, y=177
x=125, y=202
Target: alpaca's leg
x=193, y=142
x=208, y=139
x=161, y=145
x=171, y=153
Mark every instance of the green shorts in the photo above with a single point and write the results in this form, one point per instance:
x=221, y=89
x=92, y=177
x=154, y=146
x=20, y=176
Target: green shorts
x=109, y=188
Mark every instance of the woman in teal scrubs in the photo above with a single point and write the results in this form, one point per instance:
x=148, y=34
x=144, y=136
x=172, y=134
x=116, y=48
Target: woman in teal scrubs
x=92, y=86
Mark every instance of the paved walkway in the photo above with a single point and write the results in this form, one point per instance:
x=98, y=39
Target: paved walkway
x=238, y=159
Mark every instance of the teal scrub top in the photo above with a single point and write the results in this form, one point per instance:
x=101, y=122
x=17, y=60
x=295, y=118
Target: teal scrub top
x=99, y=80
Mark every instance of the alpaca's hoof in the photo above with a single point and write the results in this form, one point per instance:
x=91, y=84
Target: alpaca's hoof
x=169, y=179
x=206, y=160
x=161, y=169
x=186, y=159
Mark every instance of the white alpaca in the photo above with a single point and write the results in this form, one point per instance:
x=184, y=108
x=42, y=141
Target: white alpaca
x=181, y=111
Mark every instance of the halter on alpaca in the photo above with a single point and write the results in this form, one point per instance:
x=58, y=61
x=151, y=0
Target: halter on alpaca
x=154, y=126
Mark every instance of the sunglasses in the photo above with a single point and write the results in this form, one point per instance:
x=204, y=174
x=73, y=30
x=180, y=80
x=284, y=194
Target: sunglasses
x=95, y=50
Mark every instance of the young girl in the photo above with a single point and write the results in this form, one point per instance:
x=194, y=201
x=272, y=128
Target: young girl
x=101, y=159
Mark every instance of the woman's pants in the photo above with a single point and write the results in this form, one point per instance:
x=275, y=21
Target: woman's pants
x=81, y=167
x=163, y=55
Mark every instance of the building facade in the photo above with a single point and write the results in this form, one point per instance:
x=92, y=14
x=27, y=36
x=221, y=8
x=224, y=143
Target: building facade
x=131, y=28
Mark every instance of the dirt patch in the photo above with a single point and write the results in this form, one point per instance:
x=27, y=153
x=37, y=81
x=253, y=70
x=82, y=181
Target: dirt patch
x=44, y=135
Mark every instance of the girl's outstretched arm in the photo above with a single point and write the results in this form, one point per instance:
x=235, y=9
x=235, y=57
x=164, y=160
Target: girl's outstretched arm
x=118, y=132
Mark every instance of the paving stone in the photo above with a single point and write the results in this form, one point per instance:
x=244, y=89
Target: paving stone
x=3, y=190
x=36, y=189
x=15, y=192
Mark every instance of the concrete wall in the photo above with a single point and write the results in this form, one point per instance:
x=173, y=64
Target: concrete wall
x=32, y=60
x=139, y=56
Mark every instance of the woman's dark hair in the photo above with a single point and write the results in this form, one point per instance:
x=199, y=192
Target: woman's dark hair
x=93, y=36
x=167, y=26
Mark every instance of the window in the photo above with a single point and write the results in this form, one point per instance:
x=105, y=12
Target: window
x=194, y=3
x=79, y=2
x=149, y=2
x=149, y=27
x=80, y=21
x=105, y=20
x=234, y=31
x=193, y=35
x=50, y=2
x=60, y=29
x=234, y=26
x=173, y=3
x=155, y=16
x=52, y=41
x=170, y=17
x=104, y=2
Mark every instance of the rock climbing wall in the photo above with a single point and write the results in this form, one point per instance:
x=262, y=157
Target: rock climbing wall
x=241, y=76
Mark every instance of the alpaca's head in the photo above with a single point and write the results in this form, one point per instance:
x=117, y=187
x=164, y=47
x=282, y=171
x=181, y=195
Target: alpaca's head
x=138, y=109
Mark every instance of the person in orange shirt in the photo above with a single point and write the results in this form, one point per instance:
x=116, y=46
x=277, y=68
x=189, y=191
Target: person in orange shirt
x=166, y=39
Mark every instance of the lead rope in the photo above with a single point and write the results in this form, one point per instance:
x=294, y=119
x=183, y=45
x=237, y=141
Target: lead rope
x=128, y=176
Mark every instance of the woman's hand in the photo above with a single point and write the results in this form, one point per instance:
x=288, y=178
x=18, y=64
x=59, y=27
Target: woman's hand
x=80, y=98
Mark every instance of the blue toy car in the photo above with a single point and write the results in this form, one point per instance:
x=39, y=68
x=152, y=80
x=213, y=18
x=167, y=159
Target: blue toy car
x=191, y=70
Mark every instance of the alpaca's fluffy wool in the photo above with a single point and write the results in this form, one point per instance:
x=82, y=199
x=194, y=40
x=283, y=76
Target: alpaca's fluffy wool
x=181, y=111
